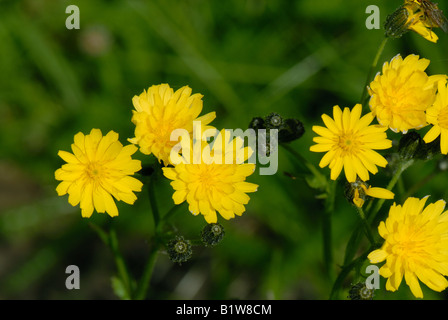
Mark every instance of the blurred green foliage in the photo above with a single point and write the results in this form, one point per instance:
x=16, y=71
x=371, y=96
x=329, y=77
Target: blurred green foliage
x=248, y=58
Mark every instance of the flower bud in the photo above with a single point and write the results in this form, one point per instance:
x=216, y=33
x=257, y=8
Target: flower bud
x=410, y=144
x=427, y=151
x=292, y=129
x=397, y=23
x=273, y=121
x=360, y=292
x=257, y=123
x=179, y=250
x=212, y=234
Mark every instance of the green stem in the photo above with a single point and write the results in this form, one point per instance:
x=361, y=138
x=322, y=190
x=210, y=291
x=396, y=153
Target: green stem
x=346, y=269
x=400, y=169
x=153, y=202
x=366, y=225
x=152, y=258
x=147, y=273
x=371, y=71
x=327, y=228
x=120, y=263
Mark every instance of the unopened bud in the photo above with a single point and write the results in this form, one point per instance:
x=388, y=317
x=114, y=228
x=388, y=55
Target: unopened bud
x=410, y=144
x=273, y=121
x=257, y=123
x=179, y=250
x=360, y=292
x=212, y=234
x=291, y=129
x=397, y=23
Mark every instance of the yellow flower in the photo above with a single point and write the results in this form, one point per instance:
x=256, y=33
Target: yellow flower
x=159, y=111
x=99, y=168
x=415, y=246
x=213, y=178
x=426, y=15
x=357, y=191
x=437, y=115
x=349, y=141
x=400, y=95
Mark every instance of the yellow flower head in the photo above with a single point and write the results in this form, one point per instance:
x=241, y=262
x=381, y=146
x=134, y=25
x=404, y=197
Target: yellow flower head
x=437, y=115
x=415, y=246
x=212, y=179
x=349, y=140
x=159, y=111
x=400, y=95
x=99, y=168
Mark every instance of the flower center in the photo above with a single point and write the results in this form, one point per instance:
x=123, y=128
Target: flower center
x=347, y=142
x=94, y=171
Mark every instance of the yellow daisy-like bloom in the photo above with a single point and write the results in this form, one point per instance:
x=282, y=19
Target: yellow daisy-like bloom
x=99, y=168
x=400, y=95
x=159, y=111
x=437, y=115
x=213, y=179
x=416, y=242
x=349, y=140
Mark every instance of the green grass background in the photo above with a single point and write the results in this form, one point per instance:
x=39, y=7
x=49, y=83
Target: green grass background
x=248, y=58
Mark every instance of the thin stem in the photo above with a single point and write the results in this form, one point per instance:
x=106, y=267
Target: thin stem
x=366, y=225
x=400, y=169
x=371, y=70
x=153, y=201
x=152, y=258
x=327, y=227
x=346, y=269
x=120, y=263
x=147, y=273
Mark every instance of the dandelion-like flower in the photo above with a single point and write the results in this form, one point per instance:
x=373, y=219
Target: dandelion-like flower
x=159, y=111
x=212, y=178
x=400, y=95
x=437, y=115
x=97, y=171
x=349, y=142
x=415, y=246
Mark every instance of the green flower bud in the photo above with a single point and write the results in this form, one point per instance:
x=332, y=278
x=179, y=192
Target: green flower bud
x=427, y=151
x=212, y=234
x=360, y=292
x=410, y=144
x=274, y=121
x=397, y=23
x=179, y=250
x=257, y=123
x=292, y=129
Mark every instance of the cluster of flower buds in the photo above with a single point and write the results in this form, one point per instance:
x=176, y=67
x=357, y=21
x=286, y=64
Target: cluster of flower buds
x=288, y=129
x=180, y=250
